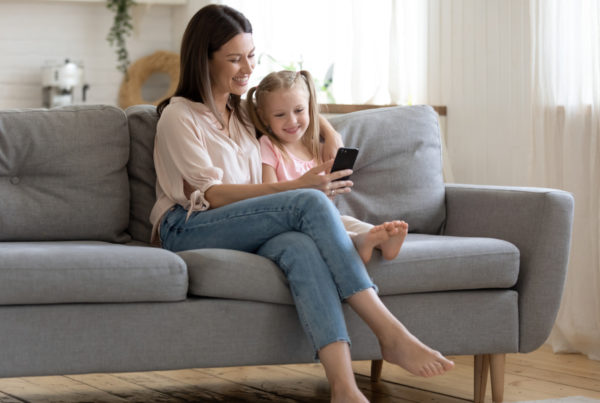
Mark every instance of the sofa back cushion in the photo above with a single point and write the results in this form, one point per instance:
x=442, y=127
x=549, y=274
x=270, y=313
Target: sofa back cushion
x=63, y=174
x=142, y=177
x=398, y=172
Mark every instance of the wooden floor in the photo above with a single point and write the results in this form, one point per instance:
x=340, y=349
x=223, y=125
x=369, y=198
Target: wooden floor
x=539, y=375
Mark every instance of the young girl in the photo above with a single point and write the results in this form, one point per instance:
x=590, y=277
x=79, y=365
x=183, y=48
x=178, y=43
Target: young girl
x=286, y=113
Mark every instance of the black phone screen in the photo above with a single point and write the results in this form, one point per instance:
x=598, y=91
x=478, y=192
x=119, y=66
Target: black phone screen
x=344, y=159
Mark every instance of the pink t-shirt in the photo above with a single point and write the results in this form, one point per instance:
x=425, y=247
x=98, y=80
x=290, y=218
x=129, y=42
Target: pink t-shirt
x=285, y=168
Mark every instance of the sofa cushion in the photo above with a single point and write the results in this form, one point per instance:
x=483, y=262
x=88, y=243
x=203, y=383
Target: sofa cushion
x=142, y=121
x=426, y=263
x=96, y=272
x=398, y=172
x=226, y=273
x=63, y=174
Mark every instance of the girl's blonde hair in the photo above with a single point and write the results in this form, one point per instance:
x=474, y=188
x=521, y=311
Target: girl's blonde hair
x=286, y=80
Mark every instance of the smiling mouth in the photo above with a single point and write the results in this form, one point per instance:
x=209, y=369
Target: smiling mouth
x=292, y=131
x=241, y=80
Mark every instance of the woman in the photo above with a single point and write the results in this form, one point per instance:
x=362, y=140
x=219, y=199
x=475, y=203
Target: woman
x=210, y=195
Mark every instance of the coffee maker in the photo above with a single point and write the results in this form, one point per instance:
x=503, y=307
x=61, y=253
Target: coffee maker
x=60, y=83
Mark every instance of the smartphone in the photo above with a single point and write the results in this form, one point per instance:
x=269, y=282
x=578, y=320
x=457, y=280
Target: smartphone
x=344, y=159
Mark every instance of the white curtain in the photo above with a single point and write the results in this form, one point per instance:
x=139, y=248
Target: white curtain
x=566, y=151
x=377, y=48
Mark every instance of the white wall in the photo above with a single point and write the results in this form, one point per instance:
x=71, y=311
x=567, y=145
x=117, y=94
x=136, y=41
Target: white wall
x=33, y=32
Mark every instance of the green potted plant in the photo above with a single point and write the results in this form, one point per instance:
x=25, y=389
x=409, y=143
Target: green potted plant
x=120, y=29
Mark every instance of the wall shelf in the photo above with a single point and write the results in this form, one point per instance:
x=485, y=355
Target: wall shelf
x=162, y=2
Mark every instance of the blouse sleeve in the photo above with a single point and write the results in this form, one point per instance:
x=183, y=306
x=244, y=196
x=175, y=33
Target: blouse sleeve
x=180, y=154
x=268, y=153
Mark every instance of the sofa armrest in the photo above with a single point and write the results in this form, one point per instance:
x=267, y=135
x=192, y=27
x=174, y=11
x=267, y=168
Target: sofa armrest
x=538, y=221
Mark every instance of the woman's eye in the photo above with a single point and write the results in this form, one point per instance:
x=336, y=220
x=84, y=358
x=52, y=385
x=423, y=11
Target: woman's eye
x=279, y=115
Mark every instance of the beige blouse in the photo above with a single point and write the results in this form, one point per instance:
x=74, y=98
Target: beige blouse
x=190, y=145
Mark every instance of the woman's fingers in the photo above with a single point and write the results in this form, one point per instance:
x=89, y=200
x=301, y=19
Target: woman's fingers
x=334, y=176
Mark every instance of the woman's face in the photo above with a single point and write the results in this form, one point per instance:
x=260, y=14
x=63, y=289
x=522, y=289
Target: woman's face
x=232, y=65
x=285, y=111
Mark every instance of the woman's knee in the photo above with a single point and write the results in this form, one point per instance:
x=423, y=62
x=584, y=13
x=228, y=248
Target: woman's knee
x=290, y=244
x=312, y=199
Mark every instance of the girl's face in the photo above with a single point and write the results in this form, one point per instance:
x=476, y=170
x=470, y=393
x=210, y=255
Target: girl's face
x=286, y=112
x=232, y=65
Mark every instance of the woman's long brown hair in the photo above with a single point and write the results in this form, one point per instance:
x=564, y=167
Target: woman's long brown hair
x=209, y=29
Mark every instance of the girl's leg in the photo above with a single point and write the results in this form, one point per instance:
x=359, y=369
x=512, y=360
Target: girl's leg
x=398, y=345
x=387, y=237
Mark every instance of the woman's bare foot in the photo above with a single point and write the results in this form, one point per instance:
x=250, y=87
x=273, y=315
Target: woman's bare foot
x=353, y=395
x=366, y=241
x=396, y=231
x=411, y=354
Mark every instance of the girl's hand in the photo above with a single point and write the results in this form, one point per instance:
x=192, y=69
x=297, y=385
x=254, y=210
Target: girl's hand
x=331, y=145
x=328, y=183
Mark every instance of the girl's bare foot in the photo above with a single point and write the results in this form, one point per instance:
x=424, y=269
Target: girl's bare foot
x=411, y=354
x=366, y=241
x=396, y=231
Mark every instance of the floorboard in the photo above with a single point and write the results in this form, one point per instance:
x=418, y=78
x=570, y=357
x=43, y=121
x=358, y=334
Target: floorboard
x=535, y=376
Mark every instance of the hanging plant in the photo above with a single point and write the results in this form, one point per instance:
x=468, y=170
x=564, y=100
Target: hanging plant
x=121, y=28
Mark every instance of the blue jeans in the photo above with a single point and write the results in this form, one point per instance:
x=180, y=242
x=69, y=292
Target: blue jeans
x=301, y=231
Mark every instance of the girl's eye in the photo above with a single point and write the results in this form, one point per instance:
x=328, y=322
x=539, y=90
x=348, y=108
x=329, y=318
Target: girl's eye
x=279, y=115
x=299, y=110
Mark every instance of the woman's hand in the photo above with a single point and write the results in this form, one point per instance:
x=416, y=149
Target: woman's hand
x=320, y=178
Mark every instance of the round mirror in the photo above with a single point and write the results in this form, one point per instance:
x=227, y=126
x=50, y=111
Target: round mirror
x=156, y=87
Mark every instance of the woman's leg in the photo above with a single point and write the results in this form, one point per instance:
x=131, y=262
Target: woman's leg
x=319, y=309
x=248, y=224
x=299, y=230
x=398, y=345
x=337, y=362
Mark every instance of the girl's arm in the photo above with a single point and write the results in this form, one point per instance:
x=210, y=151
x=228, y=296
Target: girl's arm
x=223, y=194
x=268, y=174
x=333, y=140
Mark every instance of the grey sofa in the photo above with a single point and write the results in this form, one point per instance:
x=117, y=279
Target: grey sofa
x=81, y=290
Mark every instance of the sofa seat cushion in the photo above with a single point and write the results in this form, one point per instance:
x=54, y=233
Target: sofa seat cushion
x=95, y=272
x=426, y=263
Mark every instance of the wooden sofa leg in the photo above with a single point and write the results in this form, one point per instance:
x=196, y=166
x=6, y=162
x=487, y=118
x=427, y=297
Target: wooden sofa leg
x=482, y=365
x=497, y=362
x=376, y=367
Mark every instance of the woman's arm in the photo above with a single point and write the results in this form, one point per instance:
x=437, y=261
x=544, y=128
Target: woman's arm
x=333, y=140
x=223, y=194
